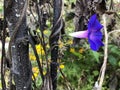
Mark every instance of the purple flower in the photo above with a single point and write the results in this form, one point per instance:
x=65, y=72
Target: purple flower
x=93, y=33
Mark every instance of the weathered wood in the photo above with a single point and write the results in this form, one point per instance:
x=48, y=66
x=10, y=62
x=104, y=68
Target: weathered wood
x=19, y=47
x=56, y=30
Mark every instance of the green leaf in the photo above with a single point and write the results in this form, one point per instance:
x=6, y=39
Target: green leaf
x=77, y=54
x=95, y=72
x=119, y=63
x=112, y=60
x=114, y=49
x=95, y=55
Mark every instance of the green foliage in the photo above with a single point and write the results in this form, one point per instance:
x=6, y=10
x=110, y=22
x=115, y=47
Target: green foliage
x=95, y=73
x=114, y=53
x=78, y=67
x=112, y=60
x=82, y=69
x=95, y=55
x=1, y=7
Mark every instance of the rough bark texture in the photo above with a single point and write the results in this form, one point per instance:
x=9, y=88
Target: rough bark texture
x=57, y=26
x=82, y=13
x=21, y=66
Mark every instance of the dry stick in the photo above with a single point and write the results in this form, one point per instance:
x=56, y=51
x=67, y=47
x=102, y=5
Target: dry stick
x=100, y=84
x=105, y=52
x=69, y=86
x=103, y=68
x=113, y=32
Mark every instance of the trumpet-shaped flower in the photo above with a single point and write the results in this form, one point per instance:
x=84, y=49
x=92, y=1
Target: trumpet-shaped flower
x=93, y=33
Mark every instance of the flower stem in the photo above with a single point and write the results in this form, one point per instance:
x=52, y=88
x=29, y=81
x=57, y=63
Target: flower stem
x=103, y=68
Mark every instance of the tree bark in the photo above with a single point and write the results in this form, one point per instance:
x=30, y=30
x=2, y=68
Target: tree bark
x=82, y=12
x=57, y=26
x=19, y=46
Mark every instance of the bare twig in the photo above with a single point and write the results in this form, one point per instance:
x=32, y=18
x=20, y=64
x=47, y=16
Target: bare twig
x=114, y=31
x=103, y=68
x=98, y=85
x=69, y=86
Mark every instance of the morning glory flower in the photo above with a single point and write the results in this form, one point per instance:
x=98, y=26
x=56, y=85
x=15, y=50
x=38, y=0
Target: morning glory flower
x=93, y=33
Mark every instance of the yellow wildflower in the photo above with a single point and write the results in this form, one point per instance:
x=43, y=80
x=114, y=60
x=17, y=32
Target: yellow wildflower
x=70, y=42
x=44, y=72
x=45, y=31
x=62, y=66
x=35, y=75
x=61, y=45
x=81, y=50
x=32, y=57
x=35, y=70
x=40, y=50
x=72, y=50
x=38, y=47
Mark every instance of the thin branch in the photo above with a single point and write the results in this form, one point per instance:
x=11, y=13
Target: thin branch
x=3, y=52
x=103, y=68
x=114, y=31
x=53, y=39
x=102, y=71
x=69, y=86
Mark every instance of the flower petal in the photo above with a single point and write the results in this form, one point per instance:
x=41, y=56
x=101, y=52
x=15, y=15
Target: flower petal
x=95, y=35
x=80, y=34
x=97, y=26
x=92, y=21
x=92, y=45
x=94, y=24
x=99, y=43
x=95, y=44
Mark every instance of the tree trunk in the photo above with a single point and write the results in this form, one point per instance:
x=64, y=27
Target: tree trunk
x=82, y=12
x=57, y=26
x=18, y=46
